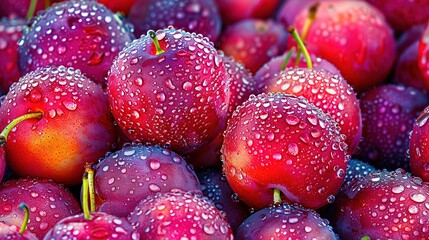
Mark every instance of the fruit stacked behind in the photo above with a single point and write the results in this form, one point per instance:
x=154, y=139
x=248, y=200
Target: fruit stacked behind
x=211, y=119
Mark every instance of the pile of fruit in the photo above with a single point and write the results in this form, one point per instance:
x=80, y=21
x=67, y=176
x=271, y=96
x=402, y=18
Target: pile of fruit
x=214, y=119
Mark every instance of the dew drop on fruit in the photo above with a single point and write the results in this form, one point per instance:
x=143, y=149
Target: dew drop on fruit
x=187, y=86
x=209, y=228
x=35, y=96
x=154, y=164
x=413, y=209
x=293, y=149
x=418, y=197
x=330, y=199
x=43, y=226
x=70, y=105
x=292, y=120
x=154, y=188
x=398, y=188
x=422, y=119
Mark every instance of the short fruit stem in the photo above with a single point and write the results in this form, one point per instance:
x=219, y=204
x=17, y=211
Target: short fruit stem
x=277, y=196
x=24, y=207
x=85, y=190
x=31, y=9
x=312, y=10
x=365, y=238
x=90, y=173
x=301, y=46
x=152, y=35
x=16, y=121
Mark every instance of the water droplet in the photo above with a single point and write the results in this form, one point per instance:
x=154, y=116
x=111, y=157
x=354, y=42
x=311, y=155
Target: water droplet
x=292, y=120
x=418, y=197
x=398, y=189
x=154, y=188
x=209, y=229
x=70, y=105
x=154, y=164
x=413, y=209
x=422, y=119
x=293, y=149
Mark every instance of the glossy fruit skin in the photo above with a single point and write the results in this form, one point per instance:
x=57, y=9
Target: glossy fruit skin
x=10, y=32
x=383, y=205
x=100, y=226
x=389, y=111
x=403, y=14
x=364, y=53
x=272, y=141
x=129, y=175
x=76, y=127
x=253, y=42
x=241, y=86
x=121, y=6
x=285, y=221
x=183, y=214
x=178, y=99
x=424, y=56
x=327, y=91
x=246, y=9
x=418, y=148
x=215, y=186
x=49, y=202
x=84, y=35
x=407, y=71
x=195, y=16
x=11, y=232
x=356, y=169
x=2, y=163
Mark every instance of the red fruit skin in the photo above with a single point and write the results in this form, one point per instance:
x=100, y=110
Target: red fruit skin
x=419, y=151
x=49, y=202
x=383, y=205
x=198, y=16
x=253, y=42
x=121, y=6
x=76, y=127
x=100, y=226
x=10, y=33
x=127, y=176
x=282, y=141
x=388, y=115
x=290, y=9
x=179, y=214
x=242, y=85
x=19, y=8
x=424, y=56
x=327, y=91
x=11, y=232
x=364, y=43
x=2, y=163
x=285, y=221
x=84, y=35
x=403, y=14
x=214, y=186
x=178, y=99
x=408, y=38
x=272, y=68
x=407, y=71
x=236, y=10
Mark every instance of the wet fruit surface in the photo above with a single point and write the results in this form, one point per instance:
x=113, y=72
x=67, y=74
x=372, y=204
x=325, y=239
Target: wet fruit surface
x=280, y=141
x=83, y=35
x=178, y=98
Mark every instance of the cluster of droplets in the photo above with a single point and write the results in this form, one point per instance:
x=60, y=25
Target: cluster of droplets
x=285, y=221
x=127, y=176
x=180, y=97
x=84, y=35
x=355, y=170
x=385, y=204
x=277, y=130
x=327, y=91
x=100, y=226
x=190, y=15
x=48, y=203
x=179, y=214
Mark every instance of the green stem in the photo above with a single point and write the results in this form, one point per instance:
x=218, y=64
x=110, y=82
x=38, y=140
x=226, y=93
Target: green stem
x=16, y=121
x=287, y=58
x=24, y=207
x=31, y=9
x=365, y=238
x=84, y=201
x=277, y=196
x=90, y=172
x=301, y=46
x=312, y=10
x=152, y=35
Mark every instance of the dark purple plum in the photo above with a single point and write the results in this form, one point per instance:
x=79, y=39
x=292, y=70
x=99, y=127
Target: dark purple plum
x=236, y=10
x=356, y=169
x=49, y=202
x=388, y=115
x=407, y=71
x=80, y=34
x=253, y=42
x=179, y=215
x=10, y=32
x=19, y=8
x=199, y=16
x=409, y=37
x=129, y=175
x=285, y=221
x=214, y=186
